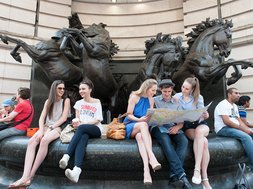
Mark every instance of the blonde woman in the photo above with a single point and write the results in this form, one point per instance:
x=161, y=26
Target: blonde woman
x=189, y=98
x=137, y=127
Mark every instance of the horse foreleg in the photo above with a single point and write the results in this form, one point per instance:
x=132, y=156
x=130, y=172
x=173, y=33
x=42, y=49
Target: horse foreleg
x=64, y=43
x=220, y=70
x=6, y=38
x=15, y=54
x=235, y=76
x=3, y=38
x=31, y=51
x=71, y=48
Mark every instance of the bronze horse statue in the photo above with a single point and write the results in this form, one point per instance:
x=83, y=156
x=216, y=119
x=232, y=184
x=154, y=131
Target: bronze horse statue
x=76, y=52
x=49, y=57
x=164, y=55
x=72, y=55
x=96, y=49
x=209, y=44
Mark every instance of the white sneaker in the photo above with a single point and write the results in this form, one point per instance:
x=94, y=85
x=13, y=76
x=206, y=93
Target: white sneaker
x=74, y=174
x=63, y=163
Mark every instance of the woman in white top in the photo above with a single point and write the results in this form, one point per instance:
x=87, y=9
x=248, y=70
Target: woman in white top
x=88, y=123
x=54, y=114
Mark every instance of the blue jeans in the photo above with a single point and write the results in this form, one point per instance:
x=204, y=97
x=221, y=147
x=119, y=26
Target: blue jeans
x=245, y=139
x=11, y=132
x=78, y=143
x=174, y=155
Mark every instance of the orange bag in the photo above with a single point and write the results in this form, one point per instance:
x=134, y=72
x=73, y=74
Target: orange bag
x=116, y=130
x=31, y=131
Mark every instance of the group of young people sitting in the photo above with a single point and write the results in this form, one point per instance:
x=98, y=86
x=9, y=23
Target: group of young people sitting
x=173, y=137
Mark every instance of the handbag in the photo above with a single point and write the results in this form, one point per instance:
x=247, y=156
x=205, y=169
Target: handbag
x=31, y=131
x=67, y=133
x=116, y=130
x=241, y=180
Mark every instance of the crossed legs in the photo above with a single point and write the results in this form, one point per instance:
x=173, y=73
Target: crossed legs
x=144, y=142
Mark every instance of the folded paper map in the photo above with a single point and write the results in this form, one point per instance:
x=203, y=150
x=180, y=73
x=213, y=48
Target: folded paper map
x=163, y=116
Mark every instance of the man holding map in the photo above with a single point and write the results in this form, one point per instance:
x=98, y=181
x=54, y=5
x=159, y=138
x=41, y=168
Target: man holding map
x=170, y=133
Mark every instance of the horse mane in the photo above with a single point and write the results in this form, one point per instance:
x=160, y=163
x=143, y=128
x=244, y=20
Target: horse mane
x=162, y=39
x=114, y=48
x=205, y=25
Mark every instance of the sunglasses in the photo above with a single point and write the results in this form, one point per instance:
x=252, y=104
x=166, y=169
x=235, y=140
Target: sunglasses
x=61, y=88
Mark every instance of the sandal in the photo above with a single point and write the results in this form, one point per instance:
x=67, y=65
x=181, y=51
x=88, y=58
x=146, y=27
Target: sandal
x=17, y=185
x=22, y=186
x=203, y=180
x=155, y=164
x=196, y=180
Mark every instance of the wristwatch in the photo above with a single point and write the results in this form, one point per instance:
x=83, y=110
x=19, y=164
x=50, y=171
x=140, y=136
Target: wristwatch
x=51, y=127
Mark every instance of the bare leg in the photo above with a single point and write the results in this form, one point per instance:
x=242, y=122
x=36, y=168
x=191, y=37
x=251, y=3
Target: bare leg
x=204, y=165
x=29, y=158
x=144, y=156
x=43, y=149
x=142, y=127
x=198, y=136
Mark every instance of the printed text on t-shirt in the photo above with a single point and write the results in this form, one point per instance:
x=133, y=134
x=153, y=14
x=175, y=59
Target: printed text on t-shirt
x=88, y=110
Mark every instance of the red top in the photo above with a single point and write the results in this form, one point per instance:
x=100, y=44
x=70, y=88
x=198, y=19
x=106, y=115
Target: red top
x=23, y=109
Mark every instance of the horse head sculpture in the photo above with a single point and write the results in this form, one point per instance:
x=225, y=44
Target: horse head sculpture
x=209, y=44
x=164, y=56
x=96, y=49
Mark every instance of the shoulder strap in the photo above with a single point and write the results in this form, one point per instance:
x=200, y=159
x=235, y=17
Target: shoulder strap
x=63, y=103
x=18, y=122
x=123, y=115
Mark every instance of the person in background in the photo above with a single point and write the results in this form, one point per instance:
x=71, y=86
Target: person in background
x=170, y=134
x=190, y=99
x=88, y=123
x=8, y=106
x=22, y=114
x=53, y=116
x=137, y=127
x=227, y=123
x=243, y=103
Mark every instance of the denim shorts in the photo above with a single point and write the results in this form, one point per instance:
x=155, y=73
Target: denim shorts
x=192, y=125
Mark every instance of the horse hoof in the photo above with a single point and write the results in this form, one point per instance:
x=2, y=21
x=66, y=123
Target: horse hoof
x=4, y=40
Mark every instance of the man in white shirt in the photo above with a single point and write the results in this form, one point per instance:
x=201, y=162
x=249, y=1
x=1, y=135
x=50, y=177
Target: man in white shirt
x=228, y=123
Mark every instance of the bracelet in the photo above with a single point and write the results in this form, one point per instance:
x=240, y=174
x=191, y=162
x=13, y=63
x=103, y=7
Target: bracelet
x=51, y=127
